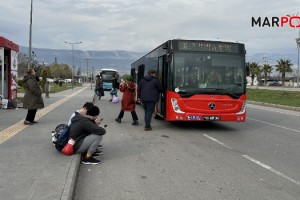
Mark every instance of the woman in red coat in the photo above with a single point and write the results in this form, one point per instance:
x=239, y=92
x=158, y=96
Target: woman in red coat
x=128, y=88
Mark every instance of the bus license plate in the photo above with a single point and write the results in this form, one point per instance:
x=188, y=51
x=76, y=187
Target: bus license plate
x=211, y=118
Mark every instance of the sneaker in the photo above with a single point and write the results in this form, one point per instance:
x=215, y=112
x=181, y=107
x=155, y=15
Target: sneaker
x=148, y=129
x=28, y=123
x=96, y=154
x=98, y=151
x=135, y=123
x=118, y=120
x=90, y=161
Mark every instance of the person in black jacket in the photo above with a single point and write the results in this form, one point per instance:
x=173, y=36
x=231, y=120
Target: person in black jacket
x=33, y=99
x=87, y=135
x=148, y=92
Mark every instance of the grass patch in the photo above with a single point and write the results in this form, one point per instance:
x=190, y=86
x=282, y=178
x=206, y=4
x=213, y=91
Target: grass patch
x=287, y=98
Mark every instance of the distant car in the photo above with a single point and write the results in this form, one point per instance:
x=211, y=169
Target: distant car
x=275, y=84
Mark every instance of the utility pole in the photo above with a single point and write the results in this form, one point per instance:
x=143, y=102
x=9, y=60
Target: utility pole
x=298, y=46
x=30, y=35
x=87, y=69
x=72, y=43
x=92, y=78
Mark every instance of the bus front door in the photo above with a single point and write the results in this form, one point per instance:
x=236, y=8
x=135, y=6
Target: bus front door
x=160, y=107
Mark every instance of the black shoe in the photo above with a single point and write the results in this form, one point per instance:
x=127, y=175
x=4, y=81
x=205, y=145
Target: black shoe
x=28, y=123
x=99, y=98
x=98, y=151
x=90, y=161
x=110, y=100
x=96, y=154
x=148, y=129
x=135, y=122
x=118, y=120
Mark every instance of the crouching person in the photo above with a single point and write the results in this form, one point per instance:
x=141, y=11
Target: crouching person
x=87, y=135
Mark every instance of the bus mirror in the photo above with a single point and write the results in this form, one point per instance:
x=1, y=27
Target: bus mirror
x=165, y=45
x=169, y=57
x=247, y=69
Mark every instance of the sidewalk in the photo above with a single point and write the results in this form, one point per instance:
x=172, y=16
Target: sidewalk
x=30, y=167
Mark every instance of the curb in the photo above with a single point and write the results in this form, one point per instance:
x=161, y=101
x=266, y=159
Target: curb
x=275, y=105
x=69, y=188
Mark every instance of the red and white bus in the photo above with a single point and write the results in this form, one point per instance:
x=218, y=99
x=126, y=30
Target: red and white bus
x=202, y=80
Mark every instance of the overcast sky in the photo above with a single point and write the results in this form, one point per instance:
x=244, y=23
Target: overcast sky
x=141, y=25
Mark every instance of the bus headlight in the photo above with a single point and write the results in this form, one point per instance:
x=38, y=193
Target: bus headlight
x=243, y=108
x=175, y=106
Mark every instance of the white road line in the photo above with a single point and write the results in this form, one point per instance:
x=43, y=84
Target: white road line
x=217, y=141
x=272, y=110
x=271, y=169
x=283, y=127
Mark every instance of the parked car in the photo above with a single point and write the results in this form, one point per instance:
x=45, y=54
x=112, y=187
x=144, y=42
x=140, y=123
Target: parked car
x=275, y=84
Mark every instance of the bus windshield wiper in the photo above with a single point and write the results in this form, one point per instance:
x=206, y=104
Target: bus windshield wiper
x=184, y=93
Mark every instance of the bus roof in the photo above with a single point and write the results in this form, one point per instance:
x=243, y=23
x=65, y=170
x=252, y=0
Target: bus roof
x=107, y=69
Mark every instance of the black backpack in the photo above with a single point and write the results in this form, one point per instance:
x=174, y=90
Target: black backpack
x=60, y=136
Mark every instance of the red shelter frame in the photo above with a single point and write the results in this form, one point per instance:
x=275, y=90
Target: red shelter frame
x=8, y=68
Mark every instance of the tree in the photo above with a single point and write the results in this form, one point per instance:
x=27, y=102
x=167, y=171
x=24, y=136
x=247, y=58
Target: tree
x=266, y=69
x=255, y=70
x=283, y=67
x=61, y=71
x=22, y=64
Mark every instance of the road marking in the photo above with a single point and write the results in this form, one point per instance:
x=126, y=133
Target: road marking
x=217, y=141
x=271, y=169
x=283, y=127
x=272, y=110
x=19, y=126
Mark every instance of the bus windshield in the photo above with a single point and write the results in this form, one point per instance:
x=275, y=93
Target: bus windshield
x=107, y=75
x=200, y=73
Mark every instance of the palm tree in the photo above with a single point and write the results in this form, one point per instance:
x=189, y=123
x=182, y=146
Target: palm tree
x=266, y=69
x=254, y=71
x=283, y=66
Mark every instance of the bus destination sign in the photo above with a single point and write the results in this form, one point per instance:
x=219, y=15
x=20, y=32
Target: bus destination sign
x=208, y=46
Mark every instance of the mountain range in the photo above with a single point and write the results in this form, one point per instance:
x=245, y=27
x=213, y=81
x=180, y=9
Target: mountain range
x=121, y=59
x=86, y=60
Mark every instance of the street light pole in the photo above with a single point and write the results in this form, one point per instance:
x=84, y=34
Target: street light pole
x=72, y=43
x=298, y=46
x=30, y=35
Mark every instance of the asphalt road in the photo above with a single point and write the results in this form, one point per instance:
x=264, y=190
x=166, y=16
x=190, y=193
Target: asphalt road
x=257, y=159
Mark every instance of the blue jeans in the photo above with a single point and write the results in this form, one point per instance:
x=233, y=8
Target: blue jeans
x=149, y=109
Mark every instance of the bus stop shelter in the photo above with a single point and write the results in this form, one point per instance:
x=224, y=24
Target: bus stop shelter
x=8, y=68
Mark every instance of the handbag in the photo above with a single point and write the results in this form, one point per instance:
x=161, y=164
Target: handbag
x=115, y=100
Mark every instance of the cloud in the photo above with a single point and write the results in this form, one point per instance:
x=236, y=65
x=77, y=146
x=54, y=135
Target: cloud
x=141, y=25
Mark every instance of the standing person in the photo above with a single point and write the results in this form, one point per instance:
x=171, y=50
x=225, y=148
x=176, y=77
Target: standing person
x=115, y=87
x=128, y=100
x=148, y=92
x=99, y=87
x=87, y=135
x=33, y=99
